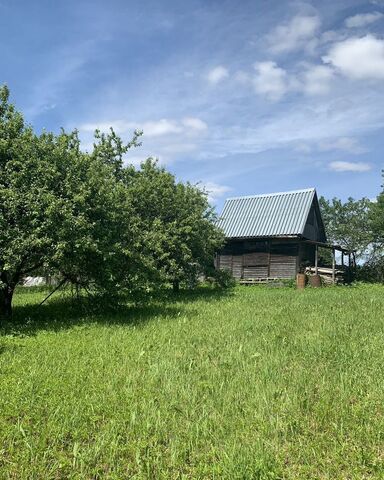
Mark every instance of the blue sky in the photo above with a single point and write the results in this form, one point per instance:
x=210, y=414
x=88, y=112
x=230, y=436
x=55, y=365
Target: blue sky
x=245, y=96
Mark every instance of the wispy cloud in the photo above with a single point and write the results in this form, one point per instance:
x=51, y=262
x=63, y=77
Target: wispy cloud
x=164, y=139
x=317, y=80
x=294, y=34
x=195, y=124
x=214, y=190
x=348, y=145
x=270, y=80
x=217, y=74
x=357, y=167
x=317, y=122
x=157, y=128
x=363, y=19
x=57, y=76
x=345, y=144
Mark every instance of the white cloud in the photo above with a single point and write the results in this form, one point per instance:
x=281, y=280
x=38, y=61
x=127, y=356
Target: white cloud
x=317, y=80
x=358, y=58
x=194, y=123
x=217, y=74
x=363, y=19
x=345, y=144
x=349, y=166
x=270, y=80
x=214, y=190
x=157, y=128
x=151, y=129
x=294, y=34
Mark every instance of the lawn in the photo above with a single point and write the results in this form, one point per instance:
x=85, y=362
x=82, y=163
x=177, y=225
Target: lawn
x=254, y=383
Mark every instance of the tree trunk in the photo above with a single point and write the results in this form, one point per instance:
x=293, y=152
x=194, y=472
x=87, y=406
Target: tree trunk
x=6, y=294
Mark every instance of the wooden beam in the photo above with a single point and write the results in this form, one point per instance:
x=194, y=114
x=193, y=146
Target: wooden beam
x=316, y=259
x=333, y=266
x=269, y=258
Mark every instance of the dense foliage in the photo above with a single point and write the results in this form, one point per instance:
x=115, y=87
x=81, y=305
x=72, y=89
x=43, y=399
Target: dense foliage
x=347, y=223
x=358, y=225
x=377, y=218
x=85, y=216
x=176, y=222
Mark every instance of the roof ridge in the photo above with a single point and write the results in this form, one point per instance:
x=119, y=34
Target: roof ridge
x=289, y=192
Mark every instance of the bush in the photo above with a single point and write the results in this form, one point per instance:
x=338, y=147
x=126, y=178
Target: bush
x=221, y=278
x=372, y=271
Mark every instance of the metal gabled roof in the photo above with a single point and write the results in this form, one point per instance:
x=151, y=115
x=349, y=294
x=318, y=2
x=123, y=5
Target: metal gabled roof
x=268, y=215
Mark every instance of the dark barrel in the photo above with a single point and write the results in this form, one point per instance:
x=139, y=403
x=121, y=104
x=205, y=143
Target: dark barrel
x=315, y=280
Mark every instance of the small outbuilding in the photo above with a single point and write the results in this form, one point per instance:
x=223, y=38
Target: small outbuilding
x=273, y=236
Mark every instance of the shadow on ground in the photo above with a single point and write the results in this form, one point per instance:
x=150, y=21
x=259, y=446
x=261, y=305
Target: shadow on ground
x=64, y=312
x=195, y=295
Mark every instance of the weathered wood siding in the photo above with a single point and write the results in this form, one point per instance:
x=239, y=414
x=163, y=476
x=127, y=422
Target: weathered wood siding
x=237, y=266
x=278, y=260
x=284, y=259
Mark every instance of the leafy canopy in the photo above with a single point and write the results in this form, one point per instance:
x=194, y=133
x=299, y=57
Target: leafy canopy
x=347, y=223
x=87, y=217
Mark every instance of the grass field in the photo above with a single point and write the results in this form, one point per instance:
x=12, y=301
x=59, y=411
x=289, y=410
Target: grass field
x=254, y=383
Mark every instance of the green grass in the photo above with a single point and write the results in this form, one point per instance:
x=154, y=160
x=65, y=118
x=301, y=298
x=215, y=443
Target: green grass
x=258, y=383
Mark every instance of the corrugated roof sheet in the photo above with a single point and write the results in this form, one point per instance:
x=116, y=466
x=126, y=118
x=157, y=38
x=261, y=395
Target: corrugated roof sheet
x=268, y=215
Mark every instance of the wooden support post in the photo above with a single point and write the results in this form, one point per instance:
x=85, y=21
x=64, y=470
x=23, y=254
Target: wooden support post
x=269, y=258
x=342, y=259
x=316, y=259
x=333, y=266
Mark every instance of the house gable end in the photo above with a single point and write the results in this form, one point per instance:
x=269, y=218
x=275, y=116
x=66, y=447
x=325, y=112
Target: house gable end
x=314, y=226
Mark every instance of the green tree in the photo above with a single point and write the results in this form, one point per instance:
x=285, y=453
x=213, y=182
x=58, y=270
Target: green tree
x=377, y=218
x=375, y=265
x=179, y=236
x=109, y=228
x=347, y=223
x=60, y=209
x=25, y=200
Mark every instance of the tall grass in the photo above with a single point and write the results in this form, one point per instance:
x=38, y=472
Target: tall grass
x=258, y=383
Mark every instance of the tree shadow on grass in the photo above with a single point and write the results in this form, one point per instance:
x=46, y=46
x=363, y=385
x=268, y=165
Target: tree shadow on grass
x=64, y=312
x=201, y=294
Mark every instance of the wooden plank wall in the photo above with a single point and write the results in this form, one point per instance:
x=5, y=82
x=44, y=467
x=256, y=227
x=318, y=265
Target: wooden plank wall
x=255, y=265
x=279, y=262
x=237, y=266
x=282, y=266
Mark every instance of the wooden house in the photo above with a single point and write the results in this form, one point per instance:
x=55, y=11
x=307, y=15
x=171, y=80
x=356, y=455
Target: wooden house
x=272, y=236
